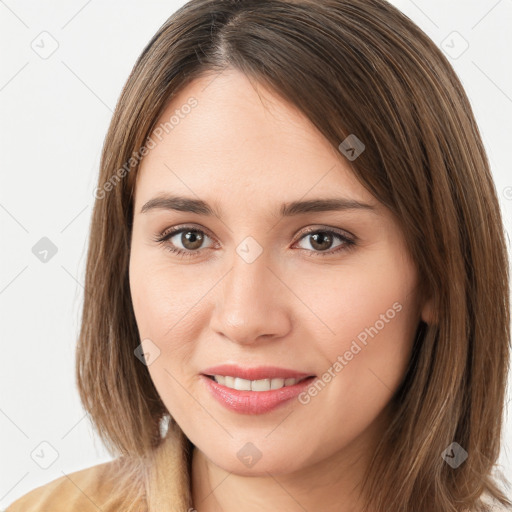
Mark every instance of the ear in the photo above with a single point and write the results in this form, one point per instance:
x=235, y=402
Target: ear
x=427, y=312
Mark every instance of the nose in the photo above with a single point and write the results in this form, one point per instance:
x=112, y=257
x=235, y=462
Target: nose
x=252, y=304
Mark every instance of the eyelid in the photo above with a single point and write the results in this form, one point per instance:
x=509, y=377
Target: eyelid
x=178, y=227
x=342, y=232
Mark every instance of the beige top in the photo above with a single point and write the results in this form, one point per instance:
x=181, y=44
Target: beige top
x=88, y=490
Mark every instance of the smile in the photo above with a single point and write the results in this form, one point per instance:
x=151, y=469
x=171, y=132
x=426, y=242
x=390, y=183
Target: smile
x=254, y=385
x=254, y=396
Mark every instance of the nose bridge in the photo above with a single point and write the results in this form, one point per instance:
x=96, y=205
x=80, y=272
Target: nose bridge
x=247, y=309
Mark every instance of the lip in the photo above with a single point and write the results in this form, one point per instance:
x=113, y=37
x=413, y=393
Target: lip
x=254, y=402
x=256, y=373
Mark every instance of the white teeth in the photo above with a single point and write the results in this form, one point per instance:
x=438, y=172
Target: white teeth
x=220, y=379
x=279, y=383
x=242, y=384
x=254, y=385
x=259, y=385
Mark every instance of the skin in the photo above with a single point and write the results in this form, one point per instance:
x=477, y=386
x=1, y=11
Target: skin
x=247, y=151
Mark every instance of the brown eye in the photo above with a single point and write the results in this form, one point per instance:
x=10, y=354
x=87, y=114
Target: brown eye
x=191, y=239
x=321, y=241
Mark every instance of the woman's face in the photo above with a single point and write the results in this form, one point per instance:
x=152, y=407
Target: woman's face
x=258, y=289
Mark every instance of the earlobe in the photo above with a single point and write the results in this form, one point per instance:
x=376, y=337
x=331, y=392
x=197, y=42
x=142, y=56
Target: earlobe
x=427, y=312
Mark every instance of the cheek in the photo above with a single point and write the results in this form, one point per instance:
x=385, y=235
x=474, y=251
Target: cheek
x=365, y=314
x=168, y=303
x=162, y=306
x=162, y=295
x=365, y=338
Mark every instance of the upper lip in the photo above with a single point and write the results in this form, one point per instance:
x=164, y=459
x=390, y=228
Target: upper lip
x=255, y=373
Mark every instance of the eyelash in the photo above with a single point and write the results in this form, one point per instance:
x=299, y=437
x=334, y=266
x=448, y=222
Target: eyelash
x=162, y=239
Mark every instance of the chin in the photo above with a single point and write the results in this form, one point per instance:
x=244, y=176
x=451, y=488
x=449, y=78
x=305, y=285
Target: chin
x=246, y=459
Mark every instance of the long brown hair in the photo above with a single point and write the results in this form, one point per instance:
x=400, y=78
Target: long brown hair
x=352, y=67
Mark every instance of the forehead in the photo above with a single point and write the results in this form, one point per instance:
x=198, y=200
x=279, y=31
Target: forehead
x=243, y=142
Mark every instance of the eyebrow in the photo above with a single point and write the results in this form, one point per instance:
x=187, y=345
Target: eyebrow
x=200, y=207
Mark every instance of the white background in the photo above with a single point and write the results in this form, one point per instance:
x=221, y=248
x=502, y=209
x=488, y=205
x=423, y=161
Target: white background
x=54, y=114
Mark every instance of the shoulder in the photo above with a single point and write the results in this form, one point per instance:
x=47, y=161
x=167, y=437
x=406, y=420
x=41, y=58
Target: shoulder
x=83, y=490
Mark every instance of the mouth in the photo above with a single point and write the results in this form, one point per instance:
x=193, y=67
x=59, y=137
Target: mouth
x=240, y=384
x=254, y=390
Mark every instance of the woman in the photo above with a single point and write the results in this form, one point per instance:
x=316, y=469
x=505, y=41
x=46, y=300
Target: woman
x=297, y=263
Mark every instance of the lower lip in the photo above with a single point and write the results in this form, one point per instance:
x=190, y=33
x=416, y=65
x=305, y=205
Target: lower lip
x=254, y=402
